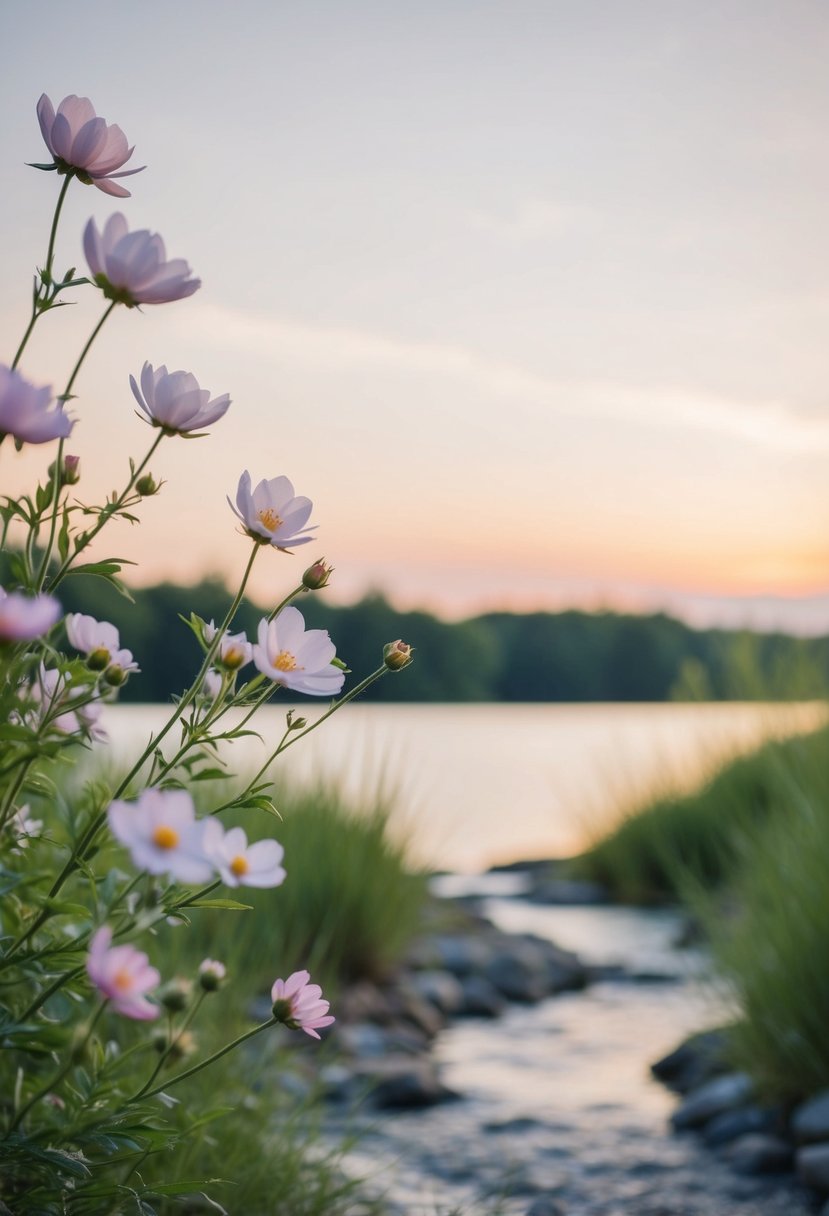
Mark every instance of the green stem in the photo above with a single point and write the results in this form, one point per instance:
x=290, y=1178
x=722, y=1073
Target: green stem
x=56, y=1080
x=46, y=276
x=67, y=392
x=191, y=1072
x=105, y=515
x=175, y=1039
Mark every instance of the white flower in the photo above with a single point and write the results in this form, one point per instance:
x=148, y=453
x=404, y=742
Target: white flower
x=174, y=401
x=212, y=684
x=234, y=649
x=297, y=658
x=24, y=617
x=132, y=268
x=101, y=643
x=162, y=834
x=84, y=144
x=25, y=412
x=240, y=863
x=24, y=828
x=272, y=512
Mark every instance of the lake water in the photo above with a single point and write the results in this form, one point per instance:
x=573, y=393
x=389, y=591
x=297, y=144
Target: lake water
x=475, y=785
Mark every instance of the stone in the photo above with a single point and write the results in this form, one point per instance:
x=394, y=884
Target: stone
x=759, y=1153
x=440, y=988
x=543, y=1205
x=462, y=954
x=810, y=1120
x=406, y=1003
x=711, y=1099
x=403, y=1083
x=520, y=973
x=741, y=1122
x=567, y=891
x=697, y=1059
x=480, y=998
x=812, y=1165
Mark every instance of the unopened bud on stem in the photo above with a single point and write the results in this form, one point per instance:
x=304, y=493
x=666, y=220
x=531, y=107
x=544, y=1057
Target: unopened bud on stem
x=397, y=655
x=317, y=576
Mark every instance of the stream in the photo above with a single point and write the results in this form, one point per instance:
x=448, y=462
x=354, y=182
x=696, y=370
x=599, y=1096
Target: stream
x=559, y=1115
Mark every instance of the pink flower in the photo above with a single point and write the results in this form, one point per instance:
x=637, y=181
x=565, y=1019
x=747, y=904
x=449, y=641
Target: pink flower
x=234, y=649
x=25, y=412
x=123, y=976
x=131, y=267
x=296, y=657
x=240, y=863
x=23, y=617
x=272, y=513
x=297, y=1004
x=174, y=401
x=162, y=834
x=71, y=711
x=83, y=144
x=101, y=643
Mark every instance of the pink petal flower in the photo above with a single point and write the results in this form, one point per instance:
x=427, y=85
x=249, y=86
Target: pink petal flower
x=83, y=144
x=131, y=267
x=25, y=412
x=23, y=617
x=123, y=976
x=272, y=512
x=298, y=1004
x=162, y=834
x=297, y=658
x=174, y=401
x=240, y=863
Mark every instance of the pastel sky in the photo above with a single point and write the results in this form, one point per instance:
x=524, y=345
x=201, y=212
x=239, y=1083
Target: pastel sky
x=531, y=298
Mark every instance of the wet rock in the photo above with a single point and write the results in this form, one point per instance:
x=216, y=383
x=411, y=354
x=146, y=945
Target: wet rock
x=518, y=1125
x=696, y=1060
x=480, y=998
x=520, y=973
x=364, y=1002
x=403, y=1083
x=439, y=988
x=367, y=1040
x=743, y=1121
x=711, y=1099
x=406, y=1003
x=567, y=891
x=810, y=1120
x=812, y=1165
x=758, y=1153
x=543, y=1205
x=462, y=953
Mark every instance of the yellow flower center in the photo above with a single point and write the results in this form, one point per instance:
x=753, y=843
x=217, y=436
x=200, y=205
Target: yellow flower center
x=285, y=661
x=239, y=866
x=122, y=981
x=164, y=837
x=269, y=519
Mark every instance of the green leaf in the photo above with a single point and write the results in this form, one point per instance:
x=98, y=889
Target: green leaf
x=210, y=774
x=230, y=904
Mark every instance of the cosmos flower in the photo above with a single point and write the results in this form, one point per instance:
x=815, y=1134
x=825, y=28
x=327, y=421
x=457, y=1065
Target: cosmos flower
x=234, y=649
x=174, y=401
x=272, y=513
x=85, y=145
x=131, y=267
x=71, y=711
x=123, y=976
x=297, y=1004
x=24, y=617
x=25, y=412
x=162, y=834
x=240, y=863
x=296, y=657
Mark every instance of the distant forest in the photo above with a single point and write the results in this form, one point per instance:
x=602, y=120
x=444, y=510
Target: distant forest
x=563, y=656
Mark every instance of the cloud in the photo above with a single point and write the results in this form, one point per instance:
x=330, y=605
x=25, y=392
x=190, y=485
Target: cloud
x=773, y=423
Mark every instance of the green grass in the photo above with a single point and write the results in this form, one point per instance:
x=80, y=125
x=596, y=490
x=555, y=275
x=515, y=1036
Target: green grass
x=703, y=837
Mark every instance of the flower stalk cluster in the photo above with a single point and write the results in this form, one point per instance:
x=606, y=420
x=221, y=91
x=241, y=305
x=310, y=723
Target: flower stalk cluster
x=95, y=878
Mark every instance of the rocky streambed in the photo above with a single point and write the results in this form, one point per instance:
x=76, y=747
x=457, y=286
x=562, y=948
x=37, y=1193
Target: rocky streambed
x=504, y=1074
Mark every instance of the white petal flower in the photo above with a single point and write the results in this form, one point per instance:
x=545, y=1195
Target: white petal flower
x=132, y=268
x=25, y=412
x=68, y=710
x=174, y=401
x=297, y=658
x=272, y=512
x=240, y=863
x=162, y=834
x=234, y=649
x=91, y=636
x=84, y=144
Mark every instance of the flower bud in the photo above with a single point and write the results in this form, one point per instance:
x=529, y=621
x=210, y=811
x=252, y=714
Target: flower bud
x=211, y=974
x=294, y=723
x=160, y=1041
x=183, y=1045
x=175, y=994
x=317, y=576
x=71, y=470
x=115, y=676
x=397, y=655
x=147, y=485
x=98, y=659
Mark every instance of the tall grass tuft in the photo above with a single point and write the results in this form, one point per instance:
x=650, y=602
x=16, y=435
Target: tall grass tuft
x=772, y=952
x=703, y=837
